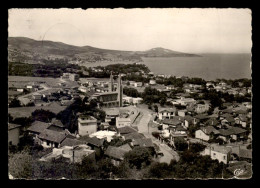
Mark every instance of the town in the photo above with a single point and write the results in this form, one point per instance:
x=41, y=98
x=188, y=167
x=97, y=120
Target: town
x=123, y=121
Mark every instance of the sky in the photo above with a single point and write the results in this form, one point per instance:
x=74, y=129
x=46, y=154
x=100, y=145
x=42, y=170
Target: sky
x=185, y=30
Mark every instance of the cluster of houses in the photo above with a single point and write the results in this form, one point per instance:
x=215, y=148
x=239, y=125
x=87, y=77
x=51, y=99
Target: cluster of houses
x=232, y=125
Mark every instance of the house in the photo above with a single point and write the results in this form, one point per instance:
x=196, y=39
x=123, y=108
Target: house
x=182, y=113
x=143, y=142
x=95, y=143
x=167, y=113
x=216, y=152
x=138, y=84
x=184, y=101
x=188, y=120
x=206, y=133
x=74, y=154
x=170, y=87
x=245, y=155
x=126, y=130
x=116, y=154
x=212, y=122
x=123, y=121
x=13, y=134
x=87, y=125
x=112, y=113
x=37, y=128
x=200, y=118
x=56, y=125
x=137, y=100
x=241, y=120
x=170, y=123
x=50, y=138
x=152, y=82
x=133, y=136
x=68, y=141
x=228, y=120
x=234, y=133
x=128, y=99
x=201, y=108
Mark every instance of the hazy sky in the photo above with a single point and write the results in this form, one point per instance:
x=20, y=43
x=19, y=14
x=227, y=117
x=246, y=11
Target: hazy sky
x=185, y=30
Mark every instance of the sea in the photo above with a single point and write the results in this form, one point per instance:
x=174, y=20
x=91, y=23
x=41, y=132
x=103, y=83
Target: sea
x=207, y=66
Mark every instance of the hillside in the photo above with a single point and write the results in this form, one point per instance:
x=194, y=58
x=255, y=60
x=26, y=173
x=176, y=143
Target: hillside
x=21, y=49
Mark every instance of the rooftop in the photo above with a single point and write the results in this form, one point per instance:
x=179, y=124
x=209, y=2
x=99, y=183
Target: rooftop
x=38, y=126
x=53, y=136
x=116, y=152
x=13, y=126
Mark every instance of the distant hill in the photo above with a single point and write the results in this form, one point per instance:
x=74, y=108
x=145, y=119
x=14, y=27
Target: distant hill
x=26, y=50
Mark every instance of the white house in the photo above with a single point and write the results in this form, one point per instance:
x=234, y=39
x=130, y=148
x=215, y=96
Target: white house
x=137, y=100
x=220, y=153
x=87, y=125
x=206, y=133
x=166, y=113
x=138, y=84
x=122, y=122
x=152, y=82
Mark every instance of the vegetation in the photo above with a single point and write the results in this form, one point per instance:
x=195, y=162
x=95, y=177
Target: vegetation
x=151, y=95
x=131, y=92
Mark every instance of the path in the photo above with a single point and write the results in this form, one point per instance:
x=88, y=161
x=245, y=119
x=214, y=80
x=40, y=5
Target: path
x=168, y=153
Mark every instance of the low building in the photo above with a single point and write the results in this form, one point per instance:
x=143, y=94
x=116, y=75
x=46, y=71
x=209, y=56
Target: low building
x=216, y=152
x=152, y=82
x=182, y=113
x=234, y=133
x=126, y=130
x=87, y=125
x=138, y=84
x=116, y=154
x=137, y=100
x=13, y=134
x=206, y=133
x=201, y=108
x=50, y=138
x=167, y=113
x=74, y=154
x=122, y=122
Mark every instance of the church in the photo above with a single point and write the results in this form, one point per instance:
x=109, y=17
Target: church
x=112, y=98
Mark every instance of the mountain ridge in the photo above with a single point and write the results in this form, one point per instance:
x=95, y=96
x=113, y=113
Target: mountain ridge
x=27, y=50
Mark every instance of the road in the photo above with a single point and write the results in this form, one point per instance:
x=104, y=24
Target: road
x=143, y=123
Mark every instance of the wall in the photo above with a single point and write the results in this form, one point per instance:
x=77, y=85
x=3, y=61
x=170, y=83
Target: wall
x=87, y=129
x=201, y=135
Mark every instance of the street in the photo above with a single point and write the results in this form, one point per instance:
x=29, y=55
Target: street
x=168, y=153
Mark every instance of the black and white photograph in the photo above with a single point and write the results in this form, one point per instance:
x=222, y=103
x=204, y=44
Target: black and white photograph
x=130, y=94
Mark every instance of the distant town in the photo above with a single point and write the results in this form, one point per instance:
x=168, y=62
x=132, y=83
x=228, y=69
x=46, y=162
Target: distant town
x=123, y=121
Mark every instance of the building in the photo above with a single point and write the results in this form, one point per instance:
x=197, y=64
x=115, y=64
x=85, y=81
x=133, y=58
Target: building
x=13, y=134
x=137, y=100
x=87, y=125
x=152, y=82
x=206, y=133
x=123, y=121
x=50, y=138
x=74, y=154
x=182, y=113
x=138, y=84
x=116, y=154
x=216, y=152
x=112, y=98
x=201, y=108
x=166, y=113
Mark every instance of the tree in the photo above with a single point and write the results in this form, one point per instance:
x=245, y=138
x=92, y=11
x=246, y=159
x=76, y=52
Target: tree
x=15, y=103
x=138, y=156
x=155, y=108
x=42, y=115
x=180, y=144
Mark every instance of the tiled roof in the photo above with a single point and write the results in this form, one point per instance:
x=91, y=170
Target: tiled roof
x=171, y=122
x=125, y=147
x=115, y=152
x=57, y=122
x=71, y=142
x=231, y=131
x=212, y=121
x=134, y=136
x=201, y=116
x=38, y=126
x=209, y=129
x=53, y=136
x=126, y=130
x=221, y=149
x=188, y=118
x=93, y=141
x=145, y=142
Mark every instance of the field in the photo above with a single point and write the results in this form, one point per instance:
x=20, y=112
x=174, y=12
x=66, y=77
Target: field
x=27, y=111
x=51, y=82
